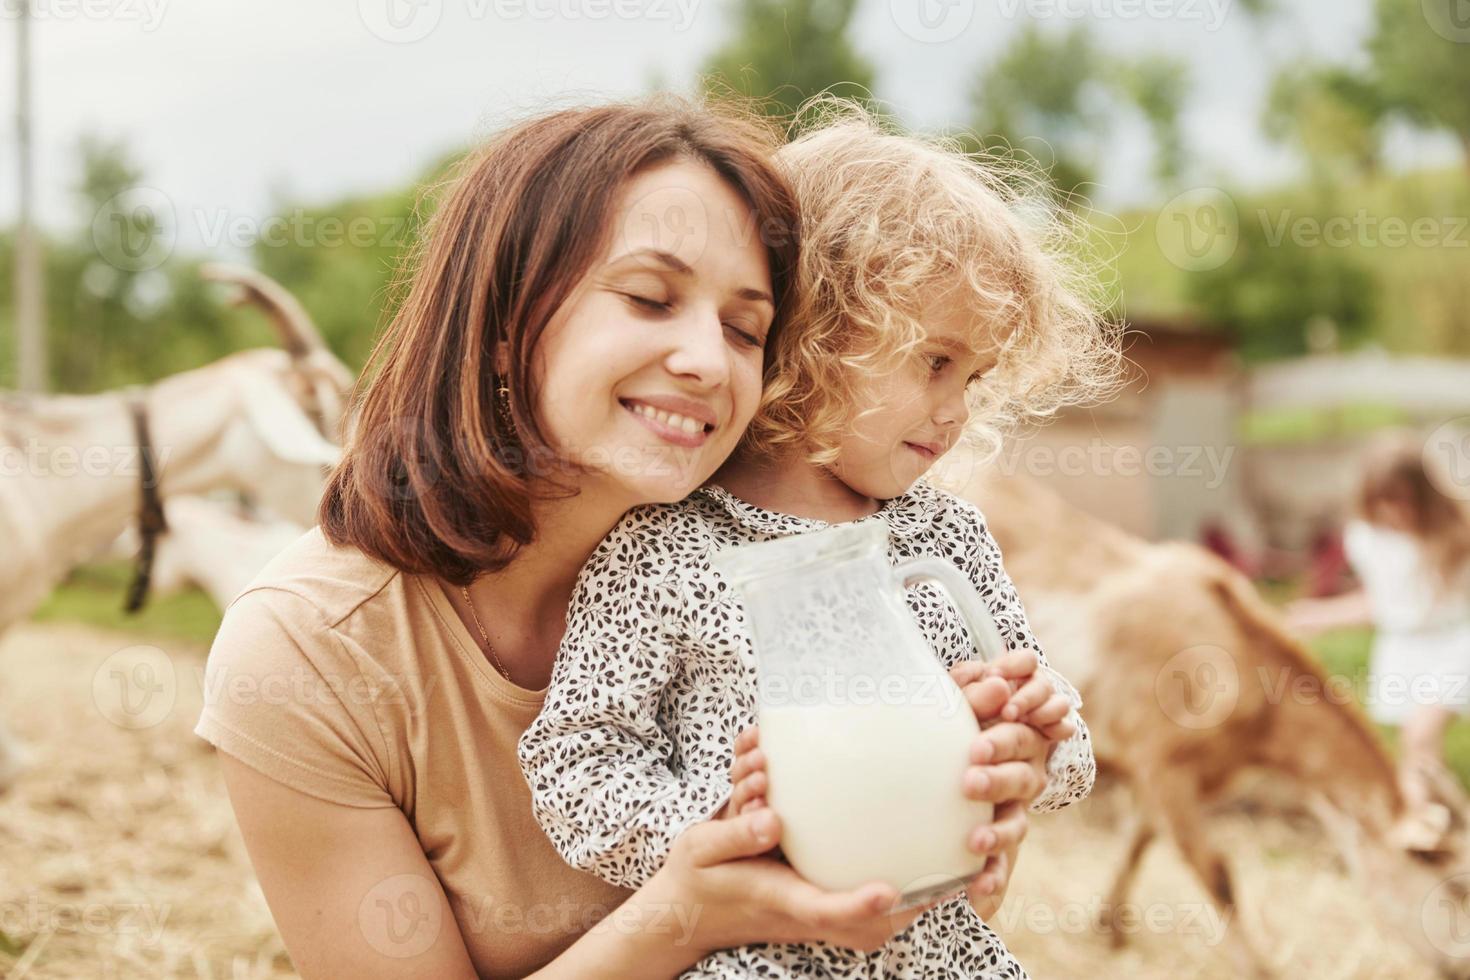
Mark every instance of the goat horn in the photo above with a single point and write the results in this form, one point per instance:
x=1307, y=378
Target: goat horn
x=298, y=334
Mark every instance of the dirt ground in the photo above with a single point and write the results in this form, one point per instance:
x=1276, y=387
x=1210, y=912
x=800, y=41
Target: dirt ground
x=119, y=857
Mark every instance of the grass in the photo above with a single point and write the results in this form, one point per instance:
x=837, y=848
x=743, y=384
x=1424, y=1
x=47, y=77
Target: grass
x=1313, y=425
x=94, y=594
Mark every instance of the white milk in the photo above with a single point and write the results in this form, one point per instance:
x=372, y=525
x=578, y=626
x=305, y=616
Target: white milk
x=873, y=792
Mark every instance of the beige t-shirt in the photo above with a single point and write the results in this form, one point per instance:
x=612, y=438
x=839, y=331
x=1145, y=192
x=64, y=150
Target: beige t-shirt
x=351, y=681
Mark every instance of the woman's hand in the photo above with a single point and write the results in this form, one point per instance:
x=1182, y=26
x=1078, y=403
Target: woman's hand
x=1008, y=769
x=859, y=919
x=736, y=893
x=1021, y=716
x=747, y=774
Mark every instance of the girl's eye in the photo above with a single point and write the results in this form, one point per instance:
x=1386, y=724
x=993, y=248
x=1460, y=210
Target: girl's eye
x=975, y=378
x=937, y=362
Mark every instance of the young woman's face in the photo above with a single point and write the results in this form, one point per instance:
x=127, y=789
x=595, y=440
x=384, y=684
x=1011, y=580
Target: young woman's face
x=650, y=371
x=921, y=406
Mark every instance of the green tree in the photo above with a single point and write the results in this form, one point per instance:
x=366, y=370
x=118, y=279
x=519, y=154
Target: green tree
x=782, y=52
x=1332, y=115
x=1043, y=99
x=1420, y=52
x=123, y=306
x=1157, y=86
x=1055, y=97
x=105, y=279
x=1273, y=290
x=339, y=258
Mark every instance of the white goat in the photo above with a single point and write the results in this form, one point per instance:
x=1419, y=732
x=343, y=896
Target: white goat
x=264, y=422
x=213, y=544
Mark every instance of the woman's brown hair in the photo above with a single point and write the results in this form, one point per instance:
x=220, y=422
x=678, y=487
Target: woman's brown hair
x=436, y=478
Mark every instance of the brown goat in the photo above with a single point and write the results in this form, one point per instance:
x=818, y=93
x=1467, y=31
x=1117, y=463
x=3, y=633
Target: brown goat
x=1188, y=679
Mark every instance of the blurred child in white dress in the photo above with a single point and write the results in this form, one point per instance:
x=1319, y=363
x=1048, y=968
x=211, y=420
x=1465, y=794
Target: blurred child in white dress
x=1409, y=544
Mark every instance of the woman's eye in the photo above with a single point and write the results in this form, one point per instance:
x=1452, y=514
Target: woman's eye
x=646, y=303
x=747, y=338
x=936, y=362
x=975, y=378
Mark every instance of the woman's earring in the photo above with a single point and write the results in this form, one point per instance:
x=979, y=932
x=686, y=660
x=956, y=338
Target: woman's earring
x=502, y=407
x=509, y=450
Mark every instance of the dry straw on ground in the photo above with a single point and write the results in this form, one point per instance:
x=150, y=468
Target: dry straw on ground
x=119, y=857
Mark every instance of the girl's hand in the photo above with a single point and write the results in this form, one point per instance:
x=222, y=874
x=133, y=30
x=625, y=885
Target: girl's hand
x=1009, y=770
x=1308, y=617
x=1031, y=698
x=987, y=892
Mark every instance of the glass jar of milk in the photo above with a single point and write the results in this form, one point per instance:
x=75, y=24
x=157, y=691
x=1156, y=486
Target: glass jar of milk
x=866, y=738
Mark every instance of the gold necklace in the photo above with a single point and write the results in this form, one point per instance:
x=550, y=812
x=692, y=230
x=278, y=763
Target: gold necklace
x=464, y=591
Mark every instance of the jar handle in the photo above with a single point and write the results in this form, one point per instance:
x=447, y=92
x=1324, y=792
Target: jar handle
x=962, y=595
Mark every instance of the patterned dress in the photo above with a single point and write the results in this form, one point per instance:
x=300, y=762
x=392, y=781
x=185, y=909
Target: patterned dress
x=656, y=677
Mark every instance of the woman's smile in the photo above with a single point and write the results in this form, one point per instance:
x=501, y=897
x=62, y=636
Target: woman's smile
x=689, y=428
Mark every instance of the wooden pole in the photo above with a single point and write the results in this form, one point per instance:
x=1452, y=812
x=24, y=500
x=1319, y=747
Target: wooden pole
x=30, y=298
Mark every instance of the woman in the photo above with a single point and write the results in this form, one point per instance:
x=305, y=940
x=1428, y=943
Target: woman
x=502, y=435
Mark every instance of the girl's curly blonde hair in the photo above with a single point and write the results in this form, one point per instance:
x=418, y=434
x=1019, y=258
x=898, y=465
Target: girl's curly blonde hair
x=890, y=221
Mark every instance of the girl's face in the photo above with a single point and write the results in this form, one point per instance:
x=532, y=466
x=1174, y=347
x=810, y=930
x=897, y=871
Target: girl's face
x=920, y=407
x=1394, y=511
x=650, y=371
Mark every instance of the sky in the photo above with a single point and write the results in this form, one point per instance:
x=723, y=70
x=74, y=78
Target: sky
x=230, y=105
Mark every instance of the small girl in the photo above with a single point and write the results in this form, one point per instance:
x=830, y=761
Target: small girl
x=923, y=296
x=1409, y=544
